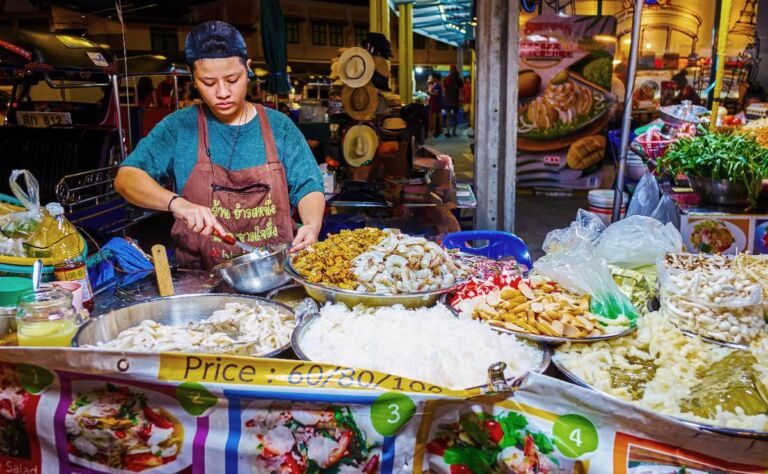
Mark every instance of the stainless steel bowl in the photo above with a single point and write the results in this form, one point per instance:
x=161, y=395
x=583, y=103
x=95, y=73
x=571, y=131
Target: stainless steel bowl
x=719, y=191
x=306, y=323
x=322, y=294
x=256, y=273
x=175, y=310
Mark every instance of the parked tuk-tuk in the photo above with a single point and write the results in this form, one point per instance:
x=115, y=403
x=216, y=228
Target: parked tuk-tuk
x=64, y=124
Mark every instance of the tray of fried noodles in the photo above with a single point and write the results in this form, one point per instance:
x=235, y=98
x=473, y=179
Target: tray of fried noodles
x=375, y=267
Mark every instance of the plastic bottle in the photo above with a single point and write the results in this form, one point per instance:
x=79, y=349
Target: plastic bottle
x=63, y=238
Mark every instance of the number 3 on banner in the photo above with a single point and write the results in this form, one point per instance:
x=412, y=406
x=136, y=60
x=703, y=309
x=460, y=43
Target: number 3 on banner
x=395, y=412
x=390, y=412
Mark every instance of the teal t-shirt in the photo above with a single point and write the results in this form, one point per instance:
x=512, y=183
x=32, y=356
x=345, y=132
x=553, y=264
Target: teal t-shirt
x=170, y=150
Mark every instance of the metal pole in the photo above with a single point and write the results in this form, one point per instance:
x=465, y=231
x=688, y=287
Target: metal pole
x=715, y=59
x=176, y=90
x=626, y=122
x=116, y=93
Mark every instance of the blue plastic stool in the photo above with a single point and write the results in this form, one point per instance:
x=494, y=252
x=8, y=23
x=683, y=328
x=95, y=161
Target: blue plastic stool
x=499, y=245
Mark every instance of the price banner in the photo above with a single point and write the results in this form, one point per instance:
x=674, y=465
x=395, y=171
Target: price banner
x=85, y=411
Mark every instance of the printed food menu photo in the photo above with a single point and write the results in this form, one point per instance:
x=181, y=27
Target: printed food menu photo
x=107, y=425
x=19, y=398
x=565, y=100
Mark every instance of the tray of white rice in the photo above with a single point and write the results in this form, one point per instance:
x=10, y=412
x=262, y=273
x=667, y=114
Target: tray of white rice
x=661, y=369
x=426, y=344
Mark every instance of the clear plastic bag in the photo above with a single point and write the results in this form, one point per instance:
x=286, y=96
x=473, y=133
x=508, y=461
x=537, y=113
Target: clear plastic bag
x=637, y=241
x=11, y=247
x=646, y=196
x=21, y=225
x=582, y=271
x=666, y=212
x=719, y=304
x=586, y=228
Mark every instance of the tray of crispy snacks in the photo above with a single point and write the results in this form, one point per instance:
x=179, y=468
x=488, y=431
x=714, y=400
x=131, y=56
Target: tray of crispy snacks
x=376, y=267
x=541, y=310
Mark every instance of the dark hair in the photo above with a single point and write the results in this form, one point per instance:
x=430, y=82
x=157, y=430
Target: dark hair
x=217, y=45
x=436, y=75
x=144, y=88
x=680, y=79
x=754, y=91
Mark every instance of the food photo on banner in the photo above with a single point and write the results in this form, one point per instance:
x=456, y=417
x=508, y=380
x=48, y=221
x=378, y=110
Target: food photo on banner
x=565, y=100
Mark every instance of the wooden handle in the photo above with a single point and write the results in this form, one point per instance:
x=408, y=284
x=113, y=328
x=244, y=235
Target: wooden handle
x=162, y=270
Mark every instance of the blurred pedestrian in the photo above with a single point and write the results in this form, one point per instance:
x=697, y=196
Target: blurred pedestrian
x=453, y=87
x=145, y=91
x=435, y=91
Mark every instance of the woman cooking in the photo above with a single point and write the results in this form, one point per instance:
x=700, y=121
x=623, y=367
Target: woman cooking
x=239, y=168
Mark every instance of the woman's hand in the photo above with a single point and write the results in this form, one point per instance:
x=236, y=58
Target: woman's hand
x=198, y=218
x=306, y=235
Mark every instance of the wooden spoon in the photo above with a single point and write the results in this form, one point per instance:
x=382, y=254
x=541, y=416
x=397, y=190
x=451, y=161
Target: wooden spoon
x=162, y=270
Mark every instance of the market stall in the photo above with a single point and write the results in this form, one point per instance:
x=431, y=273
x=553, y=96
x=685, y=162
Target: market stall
x=392, y=354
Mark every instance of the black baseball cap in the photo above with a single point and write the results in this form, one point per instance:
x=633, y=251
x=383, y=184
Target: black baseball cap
x=214, y=39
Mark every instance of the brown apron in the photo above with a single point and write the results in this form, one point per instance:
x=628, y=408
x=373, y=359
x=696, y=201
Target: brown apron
x=252, y=203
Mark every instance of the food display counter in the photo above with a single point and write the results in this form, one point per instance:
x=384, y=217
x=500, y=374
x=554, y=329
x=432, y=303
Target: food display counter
x=345, y=381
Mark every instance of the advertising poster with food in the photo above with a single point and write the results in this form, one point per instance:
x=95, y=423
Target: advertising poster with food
x=256, y=415
x=716, y=234
x=20, y=388
x=565, y=100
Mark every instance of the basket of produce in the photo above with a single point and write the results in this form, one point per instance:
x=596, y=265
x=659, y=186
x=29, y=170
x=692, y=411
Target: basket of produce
x=375, y=267
x=430, y=345
x=653, y=143
x=202, y=323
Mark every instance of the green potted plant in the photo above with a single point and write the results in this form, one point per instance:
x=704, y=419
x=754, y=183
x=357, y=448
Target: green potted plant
x=726, y=169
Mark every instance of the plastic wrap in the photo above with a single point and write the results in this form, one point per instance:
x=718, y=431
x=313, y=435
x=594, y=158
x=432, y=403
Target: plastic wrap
x=586, y=228
x=22, y=224
x=637, y=241
x=712, y=302
x=11, y=247
x=666, y=211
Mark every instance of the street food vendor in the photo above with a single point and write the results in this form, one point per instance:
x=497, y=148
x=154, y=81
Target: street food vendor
x=238, y=167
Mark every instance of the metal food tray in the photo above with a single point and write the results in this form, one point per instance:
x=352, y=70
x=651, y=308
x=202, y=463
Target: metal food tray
x=322, y=293
x=742, y=433
x=175, y=310
x=305, y=323
x=557, y=340
x=550, y=340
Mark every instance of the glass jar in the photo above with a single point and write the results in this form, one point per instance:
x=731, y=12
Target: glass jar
x=46, y=318
x=8, y=326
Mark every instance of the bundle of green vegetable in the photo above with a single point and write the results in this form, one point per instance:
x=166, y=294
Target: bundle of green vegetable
x=719, y=156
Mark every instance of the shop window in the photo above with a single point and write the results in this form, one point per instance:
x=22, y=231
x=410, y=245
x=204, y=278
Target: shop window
x=164, y=40
x=336, y=35
x=319, y=34
x=292, y=32
x=419, y=42
x=361, y=31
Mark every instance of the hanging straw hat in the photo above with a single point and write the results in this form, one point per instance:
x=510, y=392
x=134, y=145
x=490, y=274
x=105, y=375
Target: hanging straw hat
x=381, y=66
x=356, y=67
x=360, y=144
x=360, y=102
x=334, y=70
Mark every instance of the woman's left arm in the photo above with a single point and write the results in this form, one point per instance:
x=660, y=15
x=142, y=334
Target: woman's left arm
x=311, y=209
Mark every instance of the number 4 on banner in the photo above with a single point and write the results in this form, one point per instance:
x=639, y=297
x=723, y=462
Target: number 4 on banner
x=390, y=412
x=575, y=436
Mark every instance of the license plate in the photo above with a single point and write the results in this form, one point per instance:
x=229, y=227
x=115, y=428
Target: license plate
x=43, y=119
